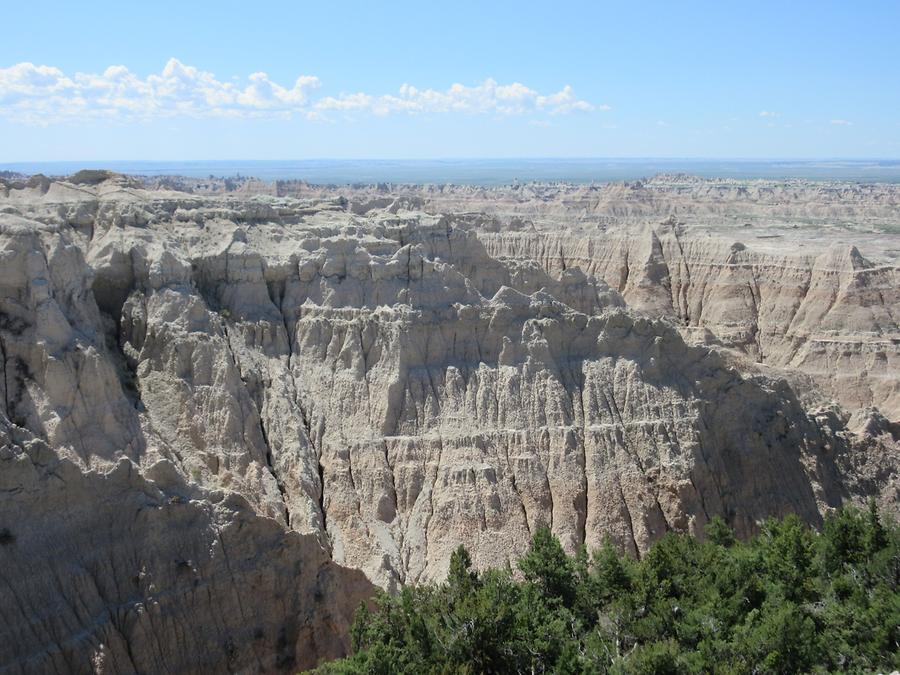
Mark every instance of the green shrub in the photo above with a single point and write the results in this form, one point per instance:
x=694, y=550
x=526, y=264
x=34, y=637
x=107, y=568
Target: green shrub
x=788, y=600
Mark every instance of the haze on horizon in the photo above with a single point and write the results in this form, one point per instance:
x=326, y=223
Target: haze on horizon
x=351, y=80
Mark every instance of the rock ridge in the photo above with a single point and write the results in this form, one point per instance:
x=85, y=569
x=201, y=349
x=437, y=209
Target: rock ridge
x=256, y=393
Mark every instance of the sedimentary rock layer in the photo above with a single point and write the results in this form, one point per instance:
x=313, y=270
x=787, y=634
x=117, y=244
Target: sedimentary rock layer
x=211, y=406
x=834, y=315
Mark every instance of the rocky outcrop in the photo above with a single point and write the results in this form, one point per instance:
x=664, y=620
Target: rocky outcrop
x=838, y=208
x=834, y=316
x=213, y=406
x=124, y=570
x=114, y=556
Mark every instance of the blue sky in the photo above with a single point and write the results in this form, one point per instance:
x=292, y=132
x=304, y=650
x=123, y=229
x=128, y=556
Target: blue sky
x=167, y=80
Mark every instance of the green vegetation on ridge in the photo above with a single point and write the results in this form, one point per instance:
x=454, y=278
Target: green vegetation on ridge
x=790, y=600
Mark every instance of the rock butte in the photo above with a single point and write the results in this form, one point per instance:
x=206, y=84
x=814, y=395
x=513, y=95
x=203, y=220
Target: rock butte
x=227, y=414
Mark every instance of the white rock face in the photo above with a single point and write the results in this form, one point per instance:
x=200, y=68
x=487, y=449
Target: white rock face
x=235, y=393
x=834, y=315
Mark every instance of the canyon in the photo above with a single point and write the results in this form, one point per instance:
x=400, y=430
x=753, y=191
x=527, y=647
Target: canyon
x=229, y=413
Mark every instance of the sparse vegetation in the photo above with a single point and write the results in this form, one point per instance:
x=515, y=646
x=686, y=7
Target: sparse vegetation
x=790, y=600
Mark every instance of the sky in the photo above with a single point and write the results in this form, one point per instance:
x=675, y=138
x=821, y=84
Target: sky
x=420, y=80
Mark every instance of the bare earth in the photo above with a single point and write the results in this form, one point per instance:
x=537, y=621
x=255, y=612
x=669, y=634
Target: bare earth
x=227, y=411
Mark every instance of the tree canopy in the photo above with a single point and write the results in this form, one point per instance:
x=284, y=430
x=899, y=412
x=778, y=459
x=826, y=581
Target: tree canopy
x=789, y=600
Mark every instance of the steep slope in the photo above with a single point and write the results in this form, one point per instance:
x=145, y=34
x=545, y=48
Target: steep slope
x=834, y=315
x=112, y=561
x=115, y=572
x=262, y=387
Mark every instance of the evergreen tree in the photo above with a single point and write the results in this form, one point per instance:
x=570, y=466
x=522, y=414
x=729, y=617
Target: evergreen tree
x=789, y=600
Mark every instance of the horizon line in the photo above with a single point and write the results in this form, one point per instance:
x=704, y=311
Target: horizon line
x=698, y=158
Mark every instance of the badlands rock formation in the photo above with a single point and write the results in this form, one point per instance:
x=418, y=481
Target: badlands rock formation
x=771, y=269
x=212, y=406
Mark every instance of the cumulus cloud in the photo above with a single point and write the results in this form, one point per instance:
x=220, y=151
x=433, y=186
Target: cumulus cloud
x=842, y=123
x=768, y=113
x=487, y=97
x=44, y=94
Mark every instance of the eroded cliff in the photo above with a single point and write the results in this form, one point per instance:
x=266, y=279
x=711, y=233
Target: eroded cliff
x=231, y=399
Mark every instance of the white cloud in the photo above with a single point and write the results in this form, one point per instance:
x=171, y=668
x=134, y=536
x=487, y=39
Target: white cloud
x=842, y=123
x=487, y=97
x=769, y=113
x=44, y=95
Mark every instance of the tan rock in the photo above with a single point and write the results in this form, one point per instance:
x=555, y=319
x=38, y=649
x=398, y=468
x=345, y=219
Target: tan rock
x=228, y=398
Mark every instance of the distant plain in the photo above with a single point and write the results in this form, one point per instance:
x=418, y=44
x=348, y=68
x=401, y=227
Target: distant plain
x=487, y=171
